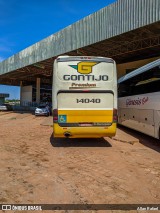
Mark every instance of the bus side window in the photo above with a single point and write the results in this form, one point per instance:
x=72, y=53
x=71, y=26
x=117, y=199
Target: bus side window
x=123, y=90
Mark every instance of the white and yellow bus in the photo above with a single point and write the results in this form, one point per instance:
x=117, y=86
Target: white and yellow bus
x=139, y=99
x=84, y=97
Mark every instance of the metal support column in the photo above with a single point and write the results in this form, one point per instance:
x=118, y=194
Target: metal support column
x=38, y=90
x=21, y=84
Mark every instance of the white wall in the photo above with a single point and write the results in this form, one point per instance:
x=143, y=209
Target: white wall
x=26, y=93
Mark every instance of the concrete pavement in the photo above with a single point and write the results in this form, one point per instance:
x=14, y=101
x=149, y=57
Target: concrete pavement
x=125, y=136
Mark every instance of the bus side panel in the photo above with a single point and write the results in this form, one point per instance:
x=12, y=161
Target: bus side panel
x=146, y=119
x=157, y=123
x=138, y=119
x=127, y=117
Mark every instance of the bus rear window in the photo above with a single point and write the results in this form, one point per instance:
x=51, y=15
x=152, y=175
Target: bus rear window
x=85, y=71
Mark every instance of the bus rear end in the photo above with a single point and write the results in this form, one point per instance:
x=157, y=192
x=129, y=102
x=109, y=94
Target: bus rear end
x=84, y=97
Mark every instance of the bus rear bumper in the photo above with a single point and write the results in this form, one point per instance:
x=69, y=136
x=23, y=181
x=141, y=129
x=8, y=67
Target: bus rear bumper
x=84, y=132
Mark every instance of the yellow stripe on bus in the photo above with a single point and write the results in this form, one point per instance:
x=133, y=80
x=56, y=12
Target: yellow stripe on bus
x=84, y=132
x=75, y=116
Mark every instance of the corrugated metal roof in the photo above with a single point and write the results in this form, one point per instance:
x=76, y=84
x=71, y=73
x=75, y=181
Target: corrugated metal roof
x=117, y=18
x=139, y=71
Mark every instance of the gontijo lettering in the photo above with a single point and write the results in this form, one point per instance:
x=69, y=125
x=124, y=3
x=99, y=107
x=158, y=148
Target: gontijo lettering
x=85, y=68
x=85, y=77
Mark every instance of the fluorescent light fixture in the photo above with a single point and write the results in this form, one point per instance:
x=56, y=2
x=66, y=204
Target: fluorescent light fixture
x=147, y=81
x=39, y=66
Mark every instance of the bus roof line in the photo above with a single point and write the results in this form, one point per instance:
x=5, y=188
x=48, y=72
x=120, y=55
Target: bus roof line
x=139, y=71
x=108, y=60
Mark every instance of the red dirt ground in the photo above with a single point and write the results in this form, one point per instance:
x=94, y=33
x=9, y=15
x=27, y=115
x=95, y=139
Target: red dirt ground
x=35, y=168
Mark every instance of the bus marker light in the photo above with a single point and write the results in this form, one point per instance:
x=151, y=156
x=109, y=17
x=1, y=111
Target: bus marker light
x=55, y=115
x=114, y=115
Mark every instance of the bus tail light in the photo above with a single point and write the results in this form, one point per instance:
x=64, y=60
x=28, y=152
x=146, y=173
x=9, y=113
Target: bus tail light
x=115, y=115
x=55, y=115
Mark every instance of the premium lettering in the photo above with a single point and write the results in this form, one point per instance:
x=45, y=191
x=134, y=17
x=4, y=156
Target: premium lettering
x=83, y=85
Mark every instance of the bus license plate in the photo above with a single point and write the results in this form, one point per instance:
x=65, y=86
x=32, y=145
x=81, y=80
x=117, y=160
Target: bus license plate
x=85, y=124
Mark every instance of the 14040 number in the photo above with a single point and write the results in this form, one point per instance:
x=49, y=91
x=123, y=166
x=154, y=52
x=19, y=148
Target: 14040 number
x=87, y=100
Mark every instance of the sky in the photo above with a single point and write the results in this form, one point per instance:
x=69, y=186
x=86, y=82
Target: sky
x=23, y=23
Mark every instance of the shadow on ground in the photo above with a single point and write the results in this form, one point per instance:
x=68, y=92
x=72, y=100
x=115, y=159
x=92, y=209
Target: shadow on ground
x=79, y=142
x=144, y=139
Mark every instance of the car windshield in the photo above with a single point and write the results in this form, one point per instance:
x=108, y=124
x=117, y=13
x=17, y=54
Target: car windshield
x=41, y=107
